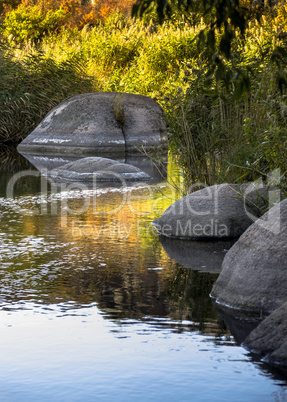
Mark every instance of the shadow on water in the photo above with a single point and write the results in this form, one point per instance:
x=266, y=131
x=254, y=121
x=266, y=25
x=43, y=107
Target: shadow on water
x=274, y=372
x=11, y=161
x=241, y=324
x=204, y=256
x=13, y=165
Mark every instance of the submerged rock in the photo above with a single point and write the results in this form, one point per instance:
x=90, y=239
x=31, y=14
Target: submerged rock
x=220, y=211
x=254, y=271
x=98, y=124
x=97, y=169
x=269, y=339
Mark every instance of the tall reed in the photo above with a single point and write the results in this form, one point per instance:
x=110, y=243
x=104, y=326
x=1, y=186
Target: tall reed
x=33, y=85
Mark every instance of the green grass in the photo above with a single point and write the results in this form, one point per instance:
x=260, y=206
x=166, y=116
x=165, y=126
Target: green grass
x=33, y=85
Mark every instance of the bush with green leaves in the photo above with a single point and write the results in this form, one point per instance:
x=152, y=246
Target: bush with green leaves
x=129, y=57
x=31, y=23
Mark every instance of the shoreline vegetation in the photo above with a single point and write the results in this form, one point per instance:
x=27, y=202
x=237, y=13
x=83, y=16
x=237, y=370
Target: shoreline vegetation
x=227, y=122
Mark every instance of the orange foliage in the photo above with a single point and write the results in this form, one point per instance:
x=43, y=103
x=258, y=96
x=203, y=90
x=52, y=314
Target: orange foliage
x=80, y=12
x=83, y=12
x=104, y=8
x=8, y=5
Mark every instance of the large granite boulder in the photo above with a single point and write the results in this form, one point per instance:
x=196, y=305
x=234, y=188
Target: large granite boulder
x=97, y=170
x=216, y=212
x=97, y=124
x=269, y=339
x=254, y=272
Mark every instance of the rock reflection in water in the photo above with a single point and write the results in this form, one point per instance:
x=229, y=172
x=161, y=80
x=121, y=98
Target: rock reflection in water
x=239, y=324
x=44, y=163
x=204, y=256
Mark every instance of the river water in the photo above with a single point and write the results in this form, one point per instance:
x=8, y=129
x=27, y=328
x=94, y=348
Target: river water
x=95, y=308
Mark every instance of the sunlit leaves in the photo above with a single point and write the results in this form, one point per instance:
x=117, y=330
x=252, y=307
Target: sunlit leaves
x=223, y=15
x=29, y=23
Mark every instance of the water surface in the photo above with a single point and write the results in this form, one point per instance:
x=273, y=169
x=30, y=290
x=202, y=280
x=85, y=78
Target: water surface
x=93, y=308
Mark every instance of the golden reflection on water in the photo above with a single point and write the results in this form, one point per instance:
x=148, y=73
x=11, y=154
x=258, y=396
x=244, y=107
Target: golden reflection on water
x=62, y=254
x=100, y=247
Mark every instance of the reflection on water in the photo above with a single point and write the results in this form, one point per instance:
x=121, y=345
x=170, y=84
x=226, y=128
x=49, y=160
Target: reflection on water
x=204, y=256
x=156, y=171
x=239, y=326
x=12, y=162
x=93, y=308
x=84, y=355
x=110, y=254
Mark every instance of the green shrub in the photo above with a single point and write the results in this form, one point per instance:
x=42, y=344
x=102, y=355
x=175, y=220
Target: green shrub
x=30, y=23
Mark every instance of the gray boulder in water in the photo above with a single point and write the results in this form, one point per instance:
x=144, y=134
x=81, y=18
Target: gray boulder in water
x=254, y=272
x=98, y=124
x=269, y=340
x=97, y=169
x=216, y=212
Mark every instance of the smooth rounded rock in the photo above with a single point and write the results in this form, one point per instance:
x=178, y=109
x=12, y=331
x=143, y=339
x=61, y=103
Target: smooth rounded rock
x=269, y=340
x=95, y=124
x=254, y=272
x=97, y=169
x=216, y=212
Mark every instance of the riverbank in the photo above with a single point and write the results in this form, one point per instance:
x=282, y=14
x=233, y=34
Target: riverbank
x=220, y=131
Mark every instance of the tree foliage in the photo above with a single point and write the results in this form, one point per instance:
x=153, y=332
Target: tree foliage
x=30, y=23
x=223, y=16
x=222, y=38
x=78, y=13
